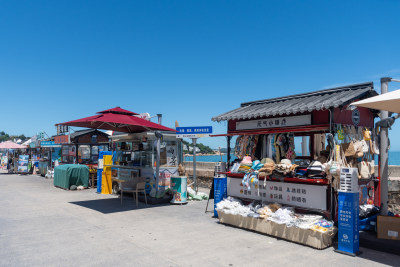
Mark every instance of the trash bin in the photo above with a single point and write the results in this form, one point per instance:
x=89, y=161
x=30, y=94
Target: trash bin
x=179, y=188
x=220, y=191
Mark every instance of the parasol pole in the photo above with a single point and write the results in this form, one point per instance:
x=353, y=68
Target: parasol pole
x=384, y=152
x=158, y=155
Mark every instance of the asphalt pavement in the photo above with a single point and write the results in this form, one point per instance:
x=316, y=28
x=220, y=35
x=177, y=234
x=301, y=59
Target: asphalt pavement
x=41, y=225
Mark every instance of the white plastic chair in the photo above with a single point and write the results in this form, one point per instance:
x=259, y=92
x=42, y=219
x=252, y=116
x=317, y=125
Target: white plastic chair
x=140, y=188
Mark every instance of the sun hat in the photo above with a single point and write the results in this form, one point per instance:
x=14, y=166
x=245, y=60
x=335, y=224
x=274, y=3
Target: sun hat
x=265, y=160
x=286, y=162
x=247, y=160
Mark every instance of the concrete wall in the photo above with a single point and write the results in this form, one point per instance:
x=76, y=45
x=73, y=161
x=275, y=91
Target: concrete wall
x=203, y=169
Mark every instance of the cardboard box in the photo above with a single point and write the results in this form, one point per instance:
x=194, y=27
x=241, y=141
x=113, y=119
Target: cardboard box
x=389, y=227
x=306, y=237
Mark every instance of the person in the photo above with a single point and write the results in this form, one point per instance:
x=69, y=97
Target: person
x=10, y=166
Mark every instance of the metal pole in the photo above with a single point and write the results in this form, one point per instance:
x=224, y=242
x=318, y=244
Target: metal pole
x=194, y=164
x=384, y=154
x=304, y=146
x=158, y=155
x=228, y=156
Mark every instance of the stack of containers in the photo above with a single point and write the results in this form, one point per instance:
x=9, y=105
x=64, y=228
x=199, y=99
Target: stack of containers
x=100, y=168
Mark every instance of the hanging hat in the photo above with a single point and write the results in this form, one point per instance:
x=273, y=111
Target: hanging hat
x=247, y=160
x=268, y=168
x=286, y=162
x=265, y=160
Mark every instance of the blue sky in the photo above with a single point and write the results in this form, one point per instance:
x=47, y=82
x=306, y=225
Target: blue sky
x=189, y=60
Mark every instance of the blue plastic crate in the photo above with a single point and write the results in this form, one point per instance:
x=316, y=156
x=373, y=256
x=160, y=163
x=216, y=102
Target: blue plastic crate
x=368, y=224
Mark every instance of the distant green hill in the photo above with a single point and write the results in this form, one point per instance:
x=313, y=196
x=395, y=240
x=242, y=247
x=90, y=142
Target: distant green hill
x=203, y=148
x=5, y=137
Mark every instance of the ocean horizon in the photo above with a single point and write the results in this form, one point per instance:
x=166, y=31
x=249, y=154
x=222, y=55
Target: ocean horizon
x=394, y=158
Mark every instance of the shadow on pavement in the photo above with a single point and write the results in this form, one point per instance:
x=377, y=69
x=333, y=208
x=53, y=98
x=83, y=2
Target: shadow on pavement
x=369, y=241
x=113, y=205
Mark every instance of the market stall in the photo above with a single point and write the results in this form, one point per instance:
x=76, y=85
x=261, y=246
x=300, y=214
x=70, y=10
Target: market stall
x=135, y=155
x=49, y=154
x=133, y=158
x=82, y=146
x=290, y=150
x=12, y=152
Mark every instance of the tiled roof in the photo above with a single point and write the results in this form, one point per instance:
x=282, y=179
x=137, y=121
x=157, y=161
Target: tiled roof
x=83, y=132
x=318, y=100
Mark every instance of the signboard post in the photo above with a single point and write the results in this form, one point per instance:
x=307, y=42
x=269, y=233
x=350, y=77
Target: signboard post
x=194, y=133
x=348, y=236
x=23, y=163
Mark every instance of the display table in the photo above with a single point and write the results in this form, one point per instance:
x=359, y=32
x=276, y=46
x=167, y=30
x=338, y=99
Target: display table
x=306, y=237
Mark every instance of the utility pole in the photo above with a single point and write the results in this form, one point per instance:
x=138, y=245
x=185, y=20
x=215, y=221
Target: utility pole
x=194, y=140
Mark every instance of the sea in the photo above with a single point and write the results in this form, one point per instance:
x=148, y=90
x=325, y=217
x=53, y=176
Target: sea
x=394, y=158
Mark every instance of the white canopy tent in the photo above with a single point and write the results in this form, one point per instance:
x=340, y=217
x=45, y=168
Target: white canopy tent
x=389, y=101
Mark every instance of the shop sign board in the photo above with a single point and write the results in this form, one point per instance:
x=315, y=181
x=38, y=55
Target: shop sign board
x=23, y=163
x=49, y=144
x=193, y=132
x=348, y=236
x=172, y=159
x=61, y=139
x=299, y=195
x=62, y=129
x=274, y=122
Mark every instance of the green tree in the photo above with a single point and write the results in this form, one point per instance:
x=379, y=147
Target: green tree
x=203, y=148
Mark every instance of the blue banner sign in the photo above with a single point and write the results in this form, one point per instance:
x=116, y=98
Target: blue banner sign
x=348, y=237
x=193, y=132
x=49, y=144
x=220, y=192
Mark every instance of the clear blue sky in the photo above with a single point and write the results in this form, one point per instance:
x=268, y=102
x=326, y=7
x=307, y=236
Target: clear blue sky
x=189, y=60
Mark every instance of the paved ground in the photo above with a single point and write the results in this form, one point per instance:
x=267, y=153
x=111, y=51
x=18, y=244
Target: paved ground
x=41, y=225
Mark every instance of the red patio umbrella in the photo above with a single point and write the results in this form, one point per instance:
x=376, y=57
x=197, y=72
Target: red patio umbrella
x=117, y=119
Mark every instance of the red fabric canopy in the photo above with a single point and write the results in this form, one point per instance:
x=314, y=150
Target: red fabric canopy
x=115, y=120
x=11, y=145
x=117, y=110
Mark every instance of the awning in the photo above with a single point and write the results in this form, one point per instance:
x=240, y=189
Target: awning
x=119, y=120
x=389, y=101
